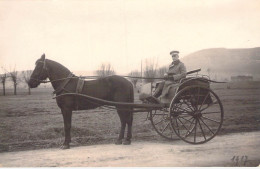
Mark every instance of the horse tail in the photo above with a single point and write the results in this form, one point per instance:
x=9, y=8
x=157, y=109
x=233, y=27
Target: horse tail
x=132, y=93
x=131, y=99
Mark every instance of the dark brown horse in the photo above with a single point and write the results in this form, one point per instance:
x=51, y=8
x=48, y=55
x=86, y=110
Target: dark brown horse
x=111, y=88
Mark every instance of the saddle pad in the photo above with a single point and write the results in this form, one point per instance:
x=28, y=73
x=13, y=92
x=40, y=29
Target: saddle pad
x=80, y=85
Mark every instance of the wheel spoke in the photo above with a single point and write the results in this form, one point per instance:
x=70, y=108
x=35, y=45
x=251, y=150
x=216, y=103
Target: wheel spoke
x=207, y=126
x=204, y=100
x=202, y=130
x=177, y=125
x=183, y=109
x=211, y=119
x=188, y=132
x=187, y=110
x=182, y=124
x=195, y=131
x=186, y=119
x=209, y=105
x=165, y=127
x=159, y=122
x=184, y=115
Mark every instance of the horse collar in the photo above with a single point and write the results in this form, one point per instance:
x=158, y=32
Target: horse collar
x=61, y=87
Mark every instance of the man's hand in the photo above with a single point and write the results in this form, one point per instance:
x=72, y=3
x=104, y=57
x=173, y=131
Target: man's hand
x=168, y=77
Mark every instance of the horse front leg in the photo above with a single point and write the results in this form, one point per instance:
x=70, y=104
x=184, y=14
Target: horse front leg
x=67, y=114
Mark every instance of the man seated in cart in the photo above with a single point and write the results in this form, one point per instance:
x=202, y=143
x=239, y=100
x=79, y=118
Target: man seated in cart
x=176, y=72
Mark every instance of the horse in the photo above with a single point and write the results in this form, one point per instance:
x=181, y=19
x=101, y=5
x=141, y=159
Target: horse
x=111, y=88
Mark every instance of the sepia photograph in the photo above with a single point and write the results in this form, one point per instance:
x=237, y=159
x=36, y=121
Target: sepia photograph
x=129, y=83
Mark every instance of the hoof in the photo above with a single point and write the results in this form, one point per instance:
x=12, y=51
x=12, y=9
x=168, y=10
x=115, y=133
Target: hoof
x=65, y=146
x=127, y=142
x=118, y=142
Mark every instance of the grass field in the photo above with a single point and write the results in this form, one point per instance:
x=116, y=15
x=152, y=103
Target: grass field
x=35, y=122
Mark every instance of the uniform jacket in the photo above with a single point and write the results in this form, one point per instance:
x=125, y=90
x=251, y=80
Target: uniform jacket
x=177, y=70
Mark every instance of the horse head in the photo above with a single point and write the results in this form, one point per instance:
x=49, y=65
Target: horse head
x=39, y=73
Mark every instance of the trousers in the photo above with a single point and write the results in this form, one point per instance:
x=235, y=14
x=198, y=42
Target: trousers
x=158, y=90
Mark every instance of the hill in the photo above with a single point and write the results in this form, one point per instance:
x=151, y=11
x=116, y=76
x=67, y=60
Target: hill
x=223, y=63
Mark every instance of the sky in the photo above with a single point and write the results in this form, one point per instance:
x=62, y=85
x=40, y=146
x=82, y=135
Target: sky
x=83, y=34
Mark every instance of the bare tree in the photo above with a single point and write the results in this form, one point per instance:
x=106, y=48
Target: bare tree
x=3, y=78
x=105, y=70
x=150, y=70
x=134, y=73
x=26, y=77
x=162, y=70
x=14, y=78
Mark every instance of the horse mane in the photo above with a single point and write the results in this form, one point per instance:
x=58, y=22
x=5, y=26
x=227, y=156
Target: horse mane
x=59, y=68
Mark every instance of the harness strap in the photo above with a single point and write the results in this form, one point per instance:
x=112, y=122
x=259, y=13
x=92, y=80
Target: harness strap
x=79, y=88
x=62, y=86
x=80, y=85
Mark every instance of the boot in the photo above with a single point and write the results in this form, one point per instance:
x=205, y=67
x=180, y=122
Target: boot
x=158, y=90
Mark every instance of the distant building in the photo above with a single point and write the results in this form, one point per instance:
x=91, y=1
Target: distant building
x=241, y=78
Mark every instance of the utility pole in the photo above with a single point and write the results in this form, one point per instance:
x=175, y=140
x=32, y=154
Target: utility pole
x=141, y=71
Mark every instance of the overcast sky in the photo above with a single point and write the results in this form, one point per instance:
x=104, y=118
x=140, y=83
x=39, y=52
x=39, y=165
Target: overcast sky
x=82, y=35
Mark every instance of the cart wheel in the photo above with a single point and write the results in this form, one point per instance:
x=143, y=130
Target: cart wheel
x=196, y=114
x=161, y=122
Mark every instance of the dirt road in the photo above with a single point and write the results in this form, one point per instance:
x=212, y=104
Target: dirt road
x=218, y=152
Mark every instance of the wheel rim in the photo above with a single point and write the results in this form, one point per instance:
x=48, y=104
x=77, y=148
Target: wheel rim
x=161, y=122
x=196, y=114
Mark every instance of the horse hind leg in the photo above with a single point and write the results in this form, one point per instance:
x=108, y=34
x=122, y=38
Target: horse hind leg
x=122, y=129
x=125, y=114
x=129, y=123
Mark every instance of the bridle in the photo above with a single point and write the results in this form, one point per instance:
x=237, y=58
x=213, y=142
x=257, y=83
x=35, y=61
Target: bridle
x=44, y=68
x=61, y=86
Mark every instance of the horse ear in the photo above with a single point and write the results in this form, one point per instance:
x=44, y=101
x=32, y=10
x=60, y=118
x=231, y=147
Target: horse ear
x=43, y=56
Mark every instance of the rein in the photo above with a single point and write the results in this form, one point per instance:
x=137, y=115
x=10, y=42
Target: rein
x=94, y=77
x=71, y=76
x=48, y=81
